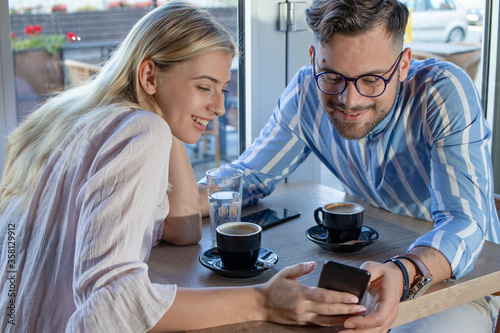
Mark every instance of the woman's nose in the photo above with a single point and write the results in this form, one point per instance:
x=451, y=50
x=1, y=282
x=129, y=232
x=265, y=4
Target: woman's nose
x=218, y=107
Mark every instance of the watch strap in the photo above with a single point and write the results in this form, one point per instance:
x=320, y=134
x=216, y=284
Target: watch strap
x=406, y=278
x=419, y=265
x=423, y=279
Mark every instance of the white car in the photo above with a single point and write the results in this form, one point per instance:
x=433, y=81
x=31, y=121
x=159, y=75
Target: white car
x=437, y=20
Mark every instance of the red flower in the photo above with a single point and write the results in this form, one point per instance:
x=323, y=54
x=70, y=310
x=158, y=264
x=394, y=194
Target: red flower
x=29, y=30
x=72, y=37
x=38, y=29
x=60, y=8
x=142, y=4
x=33, y=30
x=13, y=35
x=118, y=4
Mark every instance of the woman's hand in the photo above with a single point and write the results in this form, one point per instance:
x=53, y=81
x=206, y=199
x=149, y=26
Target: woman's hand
x=285, y=300
x=183, y=223
x=281, y=300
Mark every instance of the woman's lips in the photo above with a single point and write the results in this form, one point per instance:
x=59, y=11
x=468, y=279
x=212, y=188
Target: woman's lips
x=201, y=121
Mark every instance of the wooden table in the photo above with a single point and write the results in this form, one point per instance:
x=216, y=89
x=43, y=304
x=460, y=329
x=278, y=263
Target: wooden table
x=180, y=265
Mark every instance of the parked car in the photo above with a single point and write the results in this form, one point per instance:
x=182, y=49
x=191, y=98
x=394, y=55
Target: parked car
x=475, y=16
x=475, y=11
x=437, y=20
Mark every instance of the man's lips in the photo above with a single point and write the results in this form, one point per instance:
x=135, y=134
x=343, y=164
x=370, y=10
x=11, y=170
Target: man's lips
x=350, y=114
x=345, y=113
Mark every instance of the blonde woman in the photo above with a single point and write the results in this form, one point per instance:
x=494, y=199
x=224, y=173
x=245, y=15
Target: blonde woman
x=99, y=174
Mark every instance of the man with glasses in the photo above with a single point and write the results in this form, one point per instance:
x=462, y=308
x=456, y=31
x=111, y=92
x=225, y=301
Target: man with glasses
x=406, y=136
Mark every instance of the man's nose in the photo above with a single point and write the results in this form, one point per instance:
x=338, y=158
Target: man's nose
x=350, y=95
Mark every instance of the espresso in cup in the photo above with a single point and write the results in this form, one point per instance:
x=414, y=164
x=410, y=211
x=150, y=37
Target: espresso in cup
x=343, y=221
x=238, y=244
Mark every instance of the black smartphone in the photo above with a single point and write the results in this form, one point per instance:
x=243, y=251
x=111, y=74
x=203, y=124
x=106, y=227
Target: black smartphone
x=270, y=216
x=342, y=277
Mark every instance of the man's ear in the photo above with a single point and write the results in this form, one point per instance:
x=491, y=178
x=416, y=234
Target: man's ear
x=147, y=76
x=311, y=53
x=405, y=64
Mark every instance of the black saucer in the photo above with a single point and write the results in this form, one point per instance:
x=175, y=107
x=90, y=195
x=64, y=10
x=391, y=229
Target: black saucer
x=211, y=260
x=319, y=235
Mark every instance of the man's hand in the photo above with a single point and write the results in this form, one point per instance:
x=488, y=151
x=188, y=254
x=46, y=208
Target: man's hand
x=386, y=287
x=285, y=300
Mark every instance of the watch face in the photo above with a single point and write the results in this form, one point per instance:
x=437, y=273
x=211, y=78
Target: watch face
x=421, y=287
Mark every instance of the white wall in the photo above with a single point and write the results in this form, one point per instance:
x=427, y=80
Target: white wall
x=271, y=57
x=264, y=64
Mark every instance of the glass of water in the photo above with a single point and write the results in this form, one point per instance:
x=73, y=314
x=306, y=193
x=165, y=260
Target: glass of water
x=224, y=197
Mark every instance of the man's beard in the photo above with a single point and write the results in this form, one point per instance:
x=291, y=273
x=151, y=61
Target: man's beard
x=350, y=131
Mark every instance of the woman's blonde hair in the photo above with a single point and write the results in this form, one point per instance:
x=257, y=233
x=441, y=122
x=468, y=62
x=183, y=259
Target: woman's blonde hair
x=171, y=34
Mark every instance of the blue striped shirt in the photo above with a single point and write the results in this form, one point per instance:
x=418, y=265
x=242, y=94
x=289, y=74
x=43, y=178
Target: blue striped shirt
x=428, y=158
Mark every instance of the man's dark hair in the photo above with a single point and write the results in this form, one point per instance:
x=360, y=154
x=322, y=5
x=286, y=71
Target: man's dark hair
x=355, y=17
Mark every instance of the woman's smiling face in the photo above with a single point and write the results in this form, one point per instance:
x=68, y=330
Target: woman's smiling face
x=191, y=93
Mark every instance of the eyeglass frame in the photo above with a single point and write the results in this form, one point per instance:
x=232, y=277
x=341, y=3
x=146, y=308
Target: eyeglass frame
x=355, y=80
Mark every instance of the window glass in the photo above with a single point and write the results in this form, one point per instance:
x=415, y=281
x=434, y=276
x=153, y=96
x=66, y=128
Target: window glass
x=441, y=5
x=410, y=4
x=219, y=144
x=450, y=30
x=56, y=43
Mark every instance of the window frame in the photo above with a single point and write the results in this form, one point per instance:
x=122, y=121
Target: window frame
x=8, y=114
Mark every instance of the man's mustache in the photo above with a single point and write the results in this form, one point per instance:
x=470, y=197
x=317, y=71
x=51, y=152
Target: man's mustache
x=344, y=108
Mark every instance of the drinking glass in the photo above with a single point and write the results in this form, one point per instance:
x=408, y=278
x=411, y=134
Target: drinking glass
x=224, y=186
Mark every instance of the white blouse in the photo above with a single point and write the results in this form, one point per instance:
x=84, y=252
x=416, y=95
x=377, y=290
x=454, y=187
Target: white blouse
x=83, y=240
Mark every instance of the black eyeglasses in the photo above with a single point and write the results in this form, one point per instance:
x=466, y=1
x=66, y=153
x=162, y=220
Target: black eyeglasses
x=370, y=85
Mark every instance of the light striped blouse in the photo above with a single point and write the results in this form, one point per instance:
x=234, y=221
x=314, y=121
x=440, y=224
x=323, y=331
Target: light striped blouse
x=428, y=158
x=82, y=243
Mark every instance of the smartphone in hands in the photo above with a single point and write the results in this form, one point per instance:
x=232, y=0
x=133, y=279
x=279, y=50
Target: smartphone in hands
x=341, y=277
x=270, y=216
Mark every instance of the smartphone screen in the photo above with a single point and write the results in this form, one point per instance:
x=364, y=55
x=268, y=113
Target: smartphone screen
x=270, y=216
x=341, y=277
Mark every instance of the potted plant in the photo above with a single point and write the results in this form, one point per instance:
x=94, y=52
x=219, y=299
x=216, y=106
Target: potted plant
x=37, y=59
x=35, y=40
